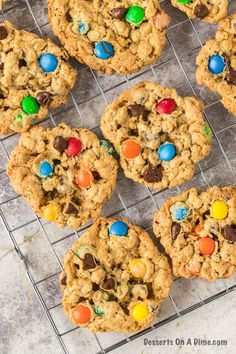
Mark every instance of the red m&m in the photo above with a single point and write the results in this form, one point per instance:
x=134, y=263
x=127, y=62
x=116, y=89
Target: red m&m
x=166, y=106
x=74, y=147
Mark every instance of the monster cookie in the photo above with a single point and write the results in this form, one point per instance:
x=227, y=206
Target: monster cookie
x=207, y=10
x=114, y=278
x=65, y=174
x=198, y=231
x=110, y=36
x=160, y=136
x=34, y=76
x=216, y=63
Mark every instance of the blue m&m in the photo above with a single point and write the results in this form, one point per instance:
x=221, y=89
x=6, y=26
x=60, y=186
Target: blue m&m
x=45, y=169
x=104, y=50
x=167, y=152
x=216, y=64
x=179, y=211
x=118, y=228
x=48, y=62
x=83, y=28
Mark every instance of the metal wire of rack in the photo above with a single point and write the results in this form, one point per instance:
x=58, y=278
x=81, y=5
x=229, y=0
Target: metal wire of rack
x=226, y=161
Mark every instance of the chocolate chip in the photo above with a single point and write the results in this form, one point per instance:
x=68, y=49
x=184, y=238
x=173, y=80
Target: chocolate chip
x=175, y=230
x=95, y=286
x=3, y=33
x=153, y=173
x=119, y=13
x=68, y=17
x=108, y=284
x=96, y=175
x=133, y=132
x=150, y=291
x=231, y=76
x=70, y=209
x=75, y=201
x=1, y=66
x=88, y=262
x=136, y=110
x=230, y=232
x=63, y=280
x=21, y=63
x=201, y=11
x=1, y=96
x=43, y=97
x=82, y=299
x=60, y=143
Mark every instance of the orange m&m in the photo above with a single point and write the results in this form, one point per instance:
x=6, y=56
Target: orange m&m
x=130, y=149
x=81, y=314
x=206, y=245
x=84, y=179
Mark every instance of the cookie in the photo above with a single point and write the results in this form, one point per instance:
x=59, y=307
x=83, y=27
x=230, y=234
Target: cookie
x=198, y=231
x=160, y=136
x=216, y=63
x=114, y=278
x=65, y=174
x=210, y=11
x=110, y=36
x=34, y=76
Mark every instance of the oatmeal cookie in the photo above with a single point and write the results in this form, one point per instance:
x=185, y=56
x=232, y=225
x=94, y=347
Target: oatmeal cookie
x=216, y=63
x=110, y=36
x=160, y=136
x=198, y=231
x=114, y=278
x=207, y=10
x=65, y=174
x=34, y=76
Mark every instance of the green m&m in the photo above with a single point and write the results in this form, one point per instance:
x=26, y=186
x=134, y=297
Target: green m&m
x=135, y=14
x=184, y=1
x=30, y=105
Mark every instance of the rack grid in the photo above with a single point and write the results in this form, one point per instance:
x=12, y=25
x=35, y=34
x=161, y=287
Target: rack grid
x=135, y=202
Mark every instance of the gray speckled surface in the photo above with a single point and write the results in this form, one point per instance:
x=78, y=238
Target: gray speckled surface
x=24, y=327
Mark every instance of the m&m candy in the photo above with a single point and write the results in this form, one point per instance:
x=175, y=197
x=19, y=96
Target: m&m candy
x=206, y=246
x=30, y=105
x=216, y=64
x=135, y=14
x=167, y=152
x=74, y=147
x=45, y=169
x=48, y=62
x=207, y=132
x=84, y=178
x=219, y=210
x=98, y=311
x=81, y=314
x=140, y=312
x=104, y=50
x=184, y=1
x=83, y=28
x=166, y=106
x=118, y=228
x=179, y=211
x=51, y=211
x=138, y=268
x=107, y=146
x=130, y=149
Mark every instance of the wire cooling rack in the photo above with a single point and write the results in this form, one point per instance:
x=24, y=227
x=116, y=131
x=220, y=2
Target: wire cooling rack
x=87, y=101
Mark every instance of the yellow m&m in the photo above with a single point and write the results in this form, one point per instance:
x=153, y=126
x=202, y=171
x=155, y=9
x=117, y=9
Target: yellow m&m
x=137, y=267
x=219, y=210
x=140, y=312
x=51, y=211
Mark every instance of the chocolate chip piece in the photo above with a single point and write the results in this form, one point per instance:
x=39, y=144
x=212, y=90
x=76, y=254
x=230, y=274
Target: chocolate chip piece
x=119, y=13
x=1, y=66
x=230, y=232
x=43, y=97
x=75, y=201
x=1, y=96
x=63, y=280
x=82, y=299
x=95, y=286
x=150, y=291
x=60, y=143
x=136, y=110
x=3, y=33
x=77, y=266
x=201, y=11
x=231, y=76
x=68, y=17
x=108, y=284
x=21, y=63
x=88, y=262
x=70, y=209
x=96, y=175
x=133, y=132
x=153, y=173
x=175, y=230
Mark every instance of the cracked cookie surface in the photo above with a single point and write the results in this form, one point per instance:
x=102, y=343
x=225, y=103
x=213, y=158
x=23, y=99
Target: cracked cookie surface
x=160, y=136
x=26, y=90
x=65, y=174
x=114, y=278
x=198, y=231
x=216, y=63
x=210, y=11
x=110, y=36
